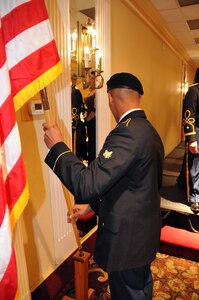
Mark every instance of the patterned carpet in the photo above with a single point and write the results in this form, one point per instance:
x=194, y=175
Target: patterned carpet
x=174, y=278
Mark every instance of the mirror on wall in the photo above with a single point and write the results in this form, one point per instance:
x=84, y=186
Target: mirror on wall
x=85, y=67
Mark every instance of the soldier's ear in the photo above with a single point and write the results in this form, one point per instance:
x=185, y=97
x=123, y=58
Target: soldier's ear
x=110, y=97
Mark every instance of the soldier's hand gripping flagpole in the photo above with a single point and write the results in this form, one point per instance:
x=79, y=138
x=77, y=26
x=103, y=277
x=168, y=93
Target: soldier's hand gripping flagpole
x=48, y=118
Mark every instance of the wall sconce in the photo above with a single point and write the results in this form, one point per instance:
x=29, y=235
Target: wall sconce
x=184, y=87
x=92, y=59
x=85, y=55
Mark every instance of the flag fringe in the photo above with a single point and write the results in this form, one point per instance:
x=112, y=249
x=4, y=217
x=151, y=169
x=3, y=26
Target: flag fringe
x=17, y=295
x=19, y=206
x=36, y=85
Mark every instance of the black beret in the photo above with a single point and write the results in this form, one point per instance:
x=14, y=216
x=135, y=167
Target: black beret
x=126, y=81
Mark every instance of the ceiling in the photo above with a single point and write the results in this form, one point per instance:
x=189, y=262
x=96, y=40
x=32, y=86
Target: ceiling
x=182, y=17
x=86, y=7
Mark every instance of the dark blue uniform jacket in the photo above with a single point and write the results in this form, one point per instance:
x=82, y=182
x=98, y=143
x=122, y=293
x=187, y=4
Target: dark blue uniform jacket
x=122, y=186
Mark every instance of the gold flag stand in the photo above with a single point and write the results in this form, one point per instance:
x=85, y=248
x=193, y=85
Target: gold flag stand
x=82, y=292
x=81, y=278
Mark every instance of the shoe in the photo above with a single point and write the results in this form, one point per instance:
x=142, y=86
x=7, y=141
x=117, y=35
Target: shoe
x=195, y=207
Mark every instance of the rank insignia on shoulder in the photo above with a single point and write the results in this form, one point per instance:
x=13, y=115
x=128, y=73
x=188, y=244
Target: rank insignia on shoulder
x=194, y=84
x=126, y=122
x=107, y=154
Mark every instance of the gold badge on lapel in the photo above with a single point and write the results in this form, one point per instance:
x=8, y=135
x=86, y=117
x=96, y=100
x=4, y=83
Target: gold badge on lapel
x=107, y=154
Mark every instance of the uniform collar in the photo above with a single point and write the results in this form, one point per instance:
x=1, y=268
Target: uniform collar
x=128, y=112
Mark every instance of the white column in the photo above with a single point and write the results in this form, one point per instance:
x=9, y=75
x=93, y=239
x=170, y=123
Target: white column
x=104, y=44
x=64, y=239
x=23, y=284
x=60, y=94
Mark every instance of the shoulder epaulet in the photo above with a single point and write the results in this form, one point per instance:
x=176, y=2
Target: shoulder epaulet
x=194, y=84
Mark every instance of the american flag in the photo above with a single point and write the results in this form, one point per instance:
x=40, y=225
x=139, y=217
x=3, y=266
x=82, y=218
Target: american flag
x=29, y=61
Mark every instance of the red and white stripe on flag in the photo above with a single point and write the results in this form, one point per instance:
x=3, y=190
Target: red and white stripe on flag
x=29, y=61
x=8, y=274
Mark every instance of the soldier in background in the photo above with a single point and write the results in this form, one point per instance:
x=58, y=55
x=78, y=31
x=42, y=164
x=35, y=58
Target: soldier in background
x=78, y=127
x=191, y=129
x=90, y=118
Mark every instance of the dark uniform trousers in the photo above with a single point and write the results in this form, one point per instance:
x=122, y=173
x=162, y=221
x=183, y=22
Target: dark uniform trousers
x=194, y=173
x=133, y=284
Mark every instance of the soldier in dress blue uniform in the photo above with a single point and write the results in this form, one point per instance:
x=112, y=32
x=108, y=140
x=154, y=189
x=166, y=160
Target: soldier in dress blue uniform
x=90, y=119
x=78, y=127
x=122, y=186
x=191, y=129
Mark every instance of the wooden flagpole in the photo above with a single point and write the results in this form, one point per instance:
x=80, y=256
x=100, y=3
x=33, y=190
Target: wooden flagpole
x=48, y=118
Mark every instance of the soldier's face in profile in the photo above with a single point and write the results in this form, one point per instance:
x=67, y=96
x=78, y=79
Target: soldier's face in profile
x=74, y=80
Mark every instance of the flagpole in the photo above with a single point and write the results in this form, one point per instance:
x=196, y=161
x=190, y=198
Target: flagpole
x=48, y=118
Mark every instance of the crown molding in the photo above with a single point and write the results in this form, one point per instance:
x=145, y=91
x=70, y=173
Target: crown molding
x=147, y=12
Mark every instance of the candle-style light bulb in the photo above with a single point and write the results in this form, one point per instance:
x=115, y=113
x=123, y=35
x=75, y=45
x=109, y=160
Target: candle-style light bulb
x=86, y=57
x=93, y=38
x=74, y=41
x=99, y=60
